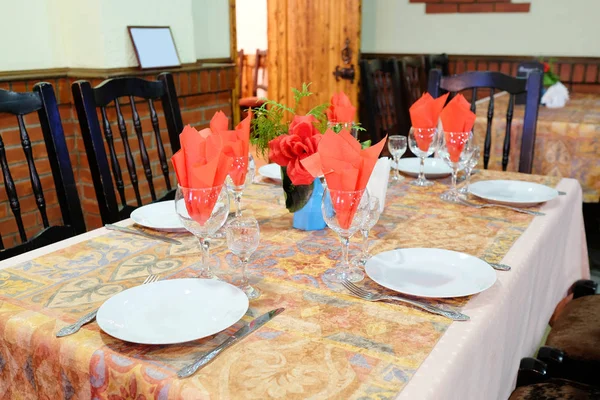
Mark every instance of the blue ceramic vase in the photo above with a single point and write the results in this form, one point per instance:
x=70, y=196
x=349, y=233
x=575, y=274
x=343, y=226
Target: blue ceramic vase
x=310, y=217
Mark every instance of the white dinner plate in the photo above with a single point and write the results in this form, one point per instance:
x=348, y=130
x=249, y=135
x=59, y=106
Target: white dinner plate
x=434, y=167
x=160, y=216
x=513, y=193
x=271, y=171
x=172, y=311
x=430, y=272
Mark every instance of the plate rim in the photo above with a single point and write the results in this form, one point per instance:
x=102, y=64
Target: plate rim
x=99, y=314
x=493, y=273
x=154, y=204
x=268, y=177
x=504, y=201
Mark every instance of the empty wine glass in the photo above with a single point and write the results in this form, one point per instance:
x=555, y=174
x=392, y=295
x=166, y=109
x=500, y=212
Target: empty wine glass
x=423, y=143
x=472, y=163
x=367, y=225
x=202, y=212
x=345, y=212
x=243, y=235
x=456, y=151
x=397, y=147
x=240, y=175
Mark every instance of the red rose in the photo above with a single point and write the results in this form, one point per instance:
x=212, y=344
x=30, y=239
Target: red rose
x=546, y=67
x=300, y=142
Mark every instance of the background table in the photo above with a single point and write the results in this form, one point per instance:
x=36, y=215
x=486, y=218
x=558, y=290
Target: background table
x=567, y=141
x=327, y=344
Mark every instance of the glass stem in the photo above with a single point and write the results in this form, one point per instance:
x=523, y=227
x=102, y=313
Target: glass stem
x=238, y=203
x=205, y=267
x=396, y=173
x=468, y=178
x=244, y=279
x=365, y=242
x=454, y=177
x=422, y=169
x=345, y=244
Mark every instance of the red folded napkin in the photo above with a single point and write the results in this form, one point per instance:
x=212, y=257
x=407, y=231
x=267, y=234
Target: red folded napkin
x=346, y=167
x=341, y=109
x=424, y=115
x=457, y=120
x=236, y=144
x=201, y=163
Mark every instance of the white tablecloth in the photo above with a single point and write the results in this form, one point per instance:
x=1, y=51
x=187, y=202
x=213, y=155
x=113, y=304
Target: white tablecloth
x=479, y=359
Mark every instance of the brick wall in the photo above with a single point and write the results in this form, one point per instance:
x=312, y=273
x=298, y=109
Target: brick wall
x=472, y=6
x=201, y=92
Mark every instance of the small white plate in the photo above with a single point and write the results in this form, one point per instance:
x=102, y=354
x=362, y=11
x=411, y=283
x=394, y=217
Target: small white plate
x=434, y=167
x=173, y=311
x=513, y=193
x=160, y=216
x=271, y=171
x=430, y=272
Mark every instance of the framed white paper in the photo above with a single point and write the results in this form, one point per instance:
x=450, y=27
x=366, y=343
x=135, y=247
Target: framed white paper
x=154, y=46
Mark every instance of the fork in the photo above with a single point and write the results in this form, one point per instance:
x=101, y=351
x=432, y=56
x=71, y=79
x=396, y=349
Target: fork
x=521, y=210
x=370, y=296
x=75, y=327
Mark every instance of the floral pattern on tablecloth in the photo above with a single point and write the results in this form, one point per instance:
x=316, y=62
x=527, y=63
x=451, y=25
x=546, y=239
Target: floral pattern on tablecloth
x=326, y=344
x=567, y=143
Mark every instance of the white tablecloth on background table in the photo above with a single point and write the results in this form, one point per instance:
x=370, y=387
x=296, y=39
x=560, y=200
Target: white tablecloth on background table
x=479, y=359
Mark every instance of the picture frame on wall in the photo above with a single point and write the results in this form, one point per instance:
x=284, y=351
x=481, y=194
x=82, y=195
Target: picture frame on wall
x=154, y=46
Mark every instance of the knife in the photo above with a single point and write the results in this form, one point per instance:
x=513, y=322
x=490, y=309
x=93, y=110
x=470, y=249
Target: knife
x=239, y=334
x=144, y=234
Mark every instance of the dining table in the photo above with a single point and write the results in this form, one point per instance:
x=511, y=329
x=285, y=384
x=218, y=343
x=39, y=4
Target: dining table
x=567, y=141
x=327, y=344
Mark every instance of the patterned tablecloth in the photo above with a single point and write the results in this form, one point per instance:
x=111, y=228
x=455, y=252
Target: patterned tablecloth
x=326, y=344
x=567, y=141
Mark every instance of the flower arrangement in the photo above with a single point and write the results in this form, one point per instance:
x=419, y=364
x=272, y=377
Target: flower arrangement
x=550, y=78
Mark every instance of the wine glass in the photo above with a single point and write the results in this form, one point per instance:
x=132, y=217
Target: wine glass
x=367, y=225
x=469, y=168
x=397, y=147
x=202, y=212
x=456, y=151
x=423, y=142
x=345, y=212
x=243, y=235
x=240, y=175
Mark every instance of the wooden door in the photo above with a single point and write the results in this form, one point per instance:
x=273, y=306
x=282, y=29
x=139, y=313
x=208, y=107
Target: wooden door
x=306, y=39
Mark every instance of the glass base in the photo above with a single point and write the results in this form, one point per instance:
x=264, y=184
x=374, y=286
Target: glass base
x=353, y=274
x=463, y=190
x=251, y=292
x=421, y=182
x=360, y=260
x=395, y=178
x=451, y=196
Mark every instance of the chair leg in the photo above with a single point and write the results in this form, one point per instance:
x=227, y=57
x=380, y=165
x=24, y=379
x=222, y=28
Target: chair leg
x=531, y=371
x=584, y=287
x=560, y=365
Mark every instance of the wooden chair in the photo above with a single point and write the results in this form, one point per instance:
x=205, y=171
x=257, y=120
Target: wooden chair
x=498, y=81
x=259, y=82
x=414, y=81
x=88, y=100
x=42, y=100
x=381, y=102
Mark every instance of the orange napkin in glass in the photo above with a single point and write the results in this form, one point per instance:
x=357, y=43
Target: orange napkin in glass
x=201, y=163
x=457, y=120
x=346, y=167
x=236, y=144
x=424, y=114
x=340, y=109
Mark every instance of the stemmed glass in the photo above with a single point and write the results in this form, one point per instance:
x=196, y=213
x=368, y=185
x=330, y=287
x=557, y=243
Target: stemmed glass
x=367, y=225
x=243, y=235
x=455, y=149
x=472, y=163
x=397, y=147
x=427, y=144
x=345, y=212
x=202, y=212
x=240, y=175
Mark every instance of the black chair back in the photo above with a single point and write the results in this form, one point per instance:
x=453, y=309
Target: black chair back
x=42, y=100
x=523, y=70
x=381, y=110
x=437, y=61
x=88, y=100
x=501, y=82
